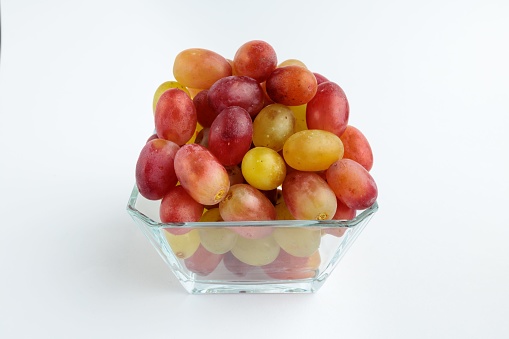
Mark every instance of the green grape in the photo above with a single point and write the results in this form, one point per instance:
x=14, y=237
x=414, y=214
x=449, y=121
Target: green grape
x=300, y=117
x=256, y=252
x=217, y=240
x=183, y=245
x=298, y=241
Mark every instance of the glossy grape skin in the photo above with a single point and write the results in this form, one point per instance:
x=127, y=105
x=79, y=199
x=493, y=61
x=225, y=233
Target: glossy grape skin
x=218, y=240
x=205, y=114
x=329, y=109
x=236, y=266
x=291, y=85
x=263, y=168
x=244, y=202
x=352, y=184
x=175, y=116
x=312, y=150
x=255, y=59
x=178, y=206
x=357, y=147
x=308, y=196
x=272, y=126
x=201, y=174
x=203, y=262
x=183, y=245
x=256, y=252
x=289, y=267
x=200, y=68
x=231, y=135
x=282, y=211
x=298, y=241
x=155, y=171
x=344, y=212
x=241, y=91
x=163, y=88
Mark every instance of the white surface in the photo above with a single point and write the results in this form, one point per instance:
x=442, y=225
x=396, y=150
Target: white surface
x=428, y=84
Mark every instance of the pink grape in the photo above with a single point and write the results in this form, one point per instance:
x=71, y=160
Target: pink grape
x=239, y=91
x=203, y=262
x=329, y=109
x=352, y=184
x=201, y=174
x=357, y=147
x=155, y=171
x=175, y=116
x=231, y=135
x=178, y=206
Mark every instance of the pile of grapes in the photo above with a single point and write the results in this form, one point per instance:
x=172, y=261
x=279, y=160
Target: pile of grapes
x=249, y=139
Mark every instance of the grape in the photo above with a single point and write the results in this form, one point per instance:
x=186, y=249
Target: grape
x=218, y=240
x=202, y=176
x=256, y=252
x=175, y=116
x=244, y=202
x=266, y=99
x=200, y=68
x=312, y=150
x=263, y=168
x=272, y=126
x=236, y=266
x=155, y=172
x=235, y=174
x=230, y=135
x=178, y=206
x=298, y=241
x=329, y=109
x=300, y=117
x=352, y=184
x=183, y=245
x=239, y=91
x=344, y=212
x=203, y=262
x=211, y=215
x=291, y=85
x=205, y=114
x=308, y=197
x=282, y=212
x=202, y=138
x=292, y=62
x=289, y=267
x=357, y=147
x=320, y=78
x=255, y=59
x=163, y=88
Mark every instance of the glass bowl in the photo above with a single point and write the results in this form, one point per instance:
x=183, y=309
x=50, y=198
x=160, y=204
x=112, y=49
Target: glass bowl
x=274, y=266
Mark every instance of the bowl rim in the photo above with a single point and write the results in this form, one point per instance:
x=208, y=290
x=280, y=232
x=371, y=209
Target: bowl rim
x=134, y=212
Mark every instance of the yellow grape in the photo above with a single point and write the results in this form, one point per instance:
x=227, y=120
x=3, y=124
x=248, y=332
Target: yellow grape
x=282, y=211
x=312, y=150
x=217, y=240
x=300, y=117
x=211, y=215
x=289, y=62
x=256, y=252
x=272, y=126
x=183, y=245
x=298, y=241
x=164, y=87
x=263, y=168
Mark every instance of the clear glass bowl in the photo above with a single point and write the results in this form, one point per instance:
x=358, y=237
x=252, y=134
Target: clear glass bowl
x=302, y=275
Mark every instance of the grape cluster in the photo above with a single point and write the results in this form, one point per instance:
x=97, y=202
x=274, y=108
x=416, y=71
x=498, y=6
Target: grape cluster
x=249, y=139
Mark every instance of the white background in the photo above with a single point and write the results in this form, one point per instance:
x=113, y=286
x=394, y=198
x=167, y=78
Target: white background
x=428, y=84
